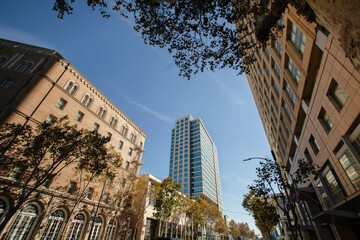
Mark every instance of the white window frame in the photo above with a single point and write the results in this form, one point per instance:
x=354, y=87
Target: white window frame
x=76, y=227
x=23, y=224
x=96, y=231
x=54, y=225
x=110, y=230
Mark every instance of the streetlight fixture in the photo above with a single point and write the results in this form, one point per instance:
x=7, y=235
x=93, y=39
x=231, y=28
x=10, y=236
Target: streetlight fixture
x=285, y=194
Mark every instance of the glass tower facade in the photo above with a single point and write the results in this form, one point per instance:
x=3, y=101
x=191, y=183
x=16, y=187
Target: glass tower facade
x=194, y=160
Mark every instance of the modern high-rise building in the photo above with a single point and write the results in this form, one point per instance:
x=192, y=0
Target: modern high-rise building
x=307, y=94
x=194, y=160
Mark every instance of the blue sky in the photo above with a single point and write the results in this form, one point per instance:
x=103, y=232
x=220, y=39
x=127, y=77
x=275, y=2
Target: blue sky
x=143, y=82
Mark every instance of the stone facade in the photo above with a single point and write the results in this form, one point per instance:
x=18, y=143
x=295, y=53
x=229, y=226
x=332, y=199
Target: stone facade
x=33, y=81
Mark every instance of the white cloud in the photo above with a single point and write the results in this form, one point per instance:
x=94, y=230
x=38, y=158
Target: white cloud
x=231, y=93
x=14, y=34
x=149, y=110
x=236, y=180
x=231, y=196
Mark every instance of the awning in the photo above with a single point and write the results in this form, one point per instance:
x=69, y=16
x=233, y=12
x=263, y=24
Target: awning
x=337, y=217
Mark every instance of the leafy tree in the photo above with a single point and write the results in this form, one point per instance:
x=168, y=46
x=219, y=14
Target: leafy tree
x=234, y=229
x=125, y=195
x=200, y=34
x=167, y=200
x=194, y=210
x=264, y=213
x=221, y=227
x=244, y=230
x=212, y=217
x=143, y=192
x=40, y=154
x=271, y=184
x=84, y=178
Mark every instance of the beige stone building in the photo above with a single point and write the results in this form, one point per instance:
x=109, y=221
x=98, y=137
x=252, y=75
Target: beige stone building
x=307, y=94
x=37, y=84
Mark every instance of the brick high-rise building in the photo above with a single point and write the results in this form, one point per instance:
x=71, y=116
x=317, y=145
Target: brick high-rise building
x=39, y=84
x=307, y=94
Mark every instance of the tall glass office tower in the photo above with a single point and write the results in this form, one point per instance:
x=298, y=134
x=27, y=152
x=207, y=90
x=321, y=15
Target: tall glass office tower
x=194, y=160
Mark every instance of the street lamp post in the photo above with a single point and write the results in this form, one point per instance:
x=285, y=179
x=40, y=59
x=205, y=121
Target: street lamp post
x=284, y=187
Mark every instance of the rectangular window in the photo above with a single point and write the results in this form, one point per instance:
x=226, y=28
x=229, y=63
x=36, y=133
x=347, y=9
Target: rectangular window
x=276, y=88
x=337, y=95
x=277, y=70
x=294, y=72
x=121, y=143
x=329, y=188
x=61, y=104
x=79, y=116
x=290, y=94
x=285, y=126
x=325, y=120
x=48, y=181
x=351, y=167
x=308, y=156
x=266, y=50
x=50, y=118
x=266, y=83
x=109, y=135
x=152, y=199
x=96, y=127
x=7, y=83
x=105, y=198
x=18, y=172
x=130, y=151
x=314, y=145
x=89, y=193
x=71, y=188
x=297, y=38
x=267, y=69
x=278, y=48
x=288, y=113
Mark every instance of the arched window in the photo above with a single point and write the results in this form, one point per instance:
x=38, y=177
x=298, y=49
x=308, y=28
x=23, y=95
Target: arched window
x=95, y=233
x=23, y=67
x=76, y=227
x=23, y=223
x=86, y=100
x=123, y=130
x=110, y=230
x=53, y=225
x=133, y=138
x=89, y=102
x=101, y=112
x=71, y=87
x=4, y=206
x=113, y=121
